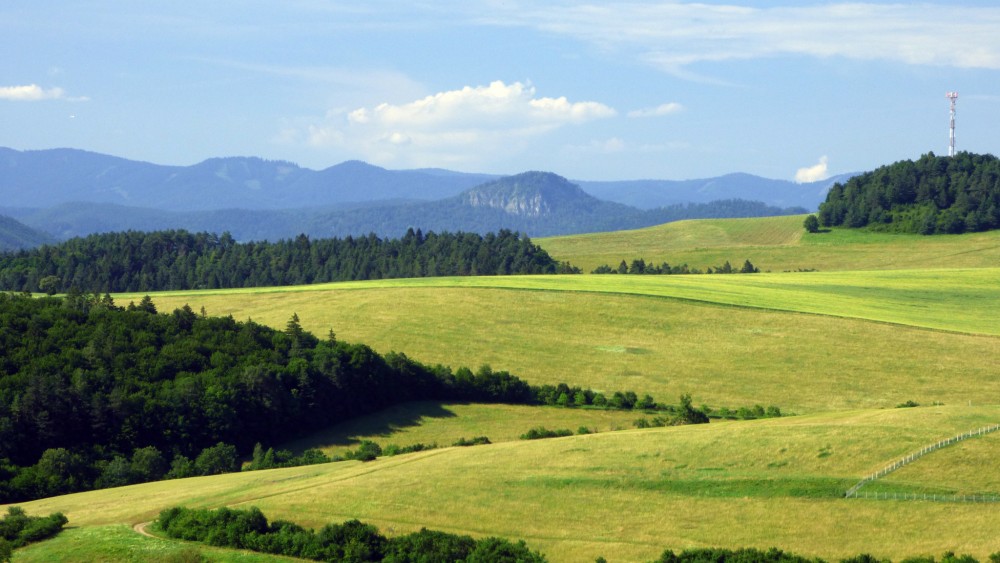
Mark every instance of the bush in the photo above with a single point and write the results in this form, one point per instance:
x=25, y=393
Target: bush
x=351, y=541
x=477, y=441
x=368, y=451
x=542, y=432
x=17, y=529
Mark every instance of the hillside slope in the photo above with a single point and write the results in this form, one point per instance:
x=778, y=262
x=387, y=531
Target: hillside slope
x=632, y=332
x=15, y=235
x=934, y=195
x=774, y=244
x=625, y=495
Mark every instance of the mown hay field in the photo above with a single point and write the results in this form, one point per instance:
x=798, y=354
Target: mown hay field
x=668, y=335
x=625, y=495
x=774, y=244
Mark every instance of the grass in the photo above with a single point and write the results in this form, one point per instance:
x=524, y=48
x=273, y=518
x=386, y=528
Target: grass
x=968, y=468
x=776, y=244
x=959, y=300
x=875, y=327
x=625, y=495
x=118, y=542
x=445, y=423
x=590, y=331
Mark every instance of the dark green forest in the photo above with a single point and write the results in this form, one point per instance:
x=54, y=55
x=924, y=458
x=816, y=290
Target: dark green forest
x=95, y=395
x=83, y=381
x=933, y=195
x=177, y=259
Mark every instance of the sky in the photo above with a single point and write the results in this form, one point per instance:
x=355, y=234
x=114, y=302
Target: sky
x=589, y=90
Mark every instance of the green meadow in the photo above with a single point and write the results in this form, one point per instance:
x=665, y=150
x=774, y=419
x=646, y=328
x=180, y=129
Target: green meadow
x=801, y=341
x=774, y=244
x=886, y=319
x=628, y=494
x=443, y=424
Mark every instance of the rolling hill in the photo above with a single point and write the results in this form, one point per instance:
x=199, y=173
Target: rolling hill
x=15, y=235
x=775, y=244
x=888, y=319
x=624, y=495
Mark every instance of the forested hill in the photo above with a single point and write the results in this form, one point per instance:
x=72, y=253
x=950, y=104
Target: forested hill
x=15, y=235
x=935, y=194
x=166, y=260
x=85, y=385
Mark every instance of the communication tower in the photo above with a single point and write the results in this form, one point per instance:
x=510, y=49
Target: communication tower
x=951, y=131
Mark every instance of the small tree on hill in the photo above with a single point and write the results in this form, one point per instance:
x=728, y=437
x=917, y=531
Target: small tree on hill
x=811, y=224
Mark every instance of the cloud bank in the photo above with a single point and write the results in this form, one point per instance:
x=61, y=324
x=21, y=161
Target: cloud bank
x=455, y=127
x=30, y=93
x=813, y=173
x=674, y=35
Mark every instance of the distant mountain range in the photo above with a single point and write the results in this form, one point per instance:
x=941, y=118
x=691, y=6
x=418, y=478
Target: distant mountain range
x=15, y=235
x=68, y=192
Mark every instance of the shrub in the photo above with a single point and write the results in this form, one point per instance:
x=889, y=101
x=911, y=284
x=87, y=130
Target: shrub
x=542, y=432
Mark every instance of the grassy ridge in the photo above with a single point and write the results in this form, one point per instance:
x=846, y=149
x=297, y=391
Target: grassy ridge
x=776, y=244
x=626, y=495
x=591, y=336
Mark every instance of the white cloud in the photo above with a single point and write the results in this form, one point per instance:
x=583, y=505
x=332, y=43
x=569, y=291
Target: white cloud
x=453, y=127
x=658, y=111
x=813, y=173
x=30, y=93
x=674, y=35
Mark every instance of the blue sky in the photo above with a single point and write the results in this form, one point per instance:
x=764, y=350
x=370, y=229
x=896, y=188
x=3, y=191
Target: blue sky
x=595, y=91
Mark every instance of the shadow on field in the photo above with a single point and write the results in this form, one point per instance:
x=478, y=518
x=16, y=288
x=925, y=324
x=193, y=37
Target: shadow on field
x=377, y=427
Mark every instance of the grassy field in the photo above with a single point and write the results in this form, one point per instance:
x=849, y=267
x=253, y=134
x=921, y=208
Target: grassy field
x=444, y=423
x=888, y=318
x=776, y=244
x=626, y=495
x=118, y=542
x=621, y=332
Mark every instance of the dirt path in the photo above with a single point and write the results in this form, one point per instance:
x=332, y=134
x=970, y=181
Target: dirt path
x=141, y=528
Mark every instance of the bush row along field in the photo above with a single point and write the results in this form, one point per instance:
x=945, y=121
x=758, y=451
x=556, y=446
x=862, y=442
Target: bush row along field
x=721, y=355
x=774, y=244
x=628, y=495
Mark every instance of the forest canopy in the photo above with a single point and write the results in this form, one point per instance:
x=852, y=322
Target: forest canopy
x=933, y=195
x=177, y=259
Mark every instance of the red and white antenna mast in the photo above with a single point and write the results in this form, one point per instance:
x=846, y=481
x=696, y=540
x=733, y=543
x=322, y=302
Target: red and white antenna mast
x=951, y=131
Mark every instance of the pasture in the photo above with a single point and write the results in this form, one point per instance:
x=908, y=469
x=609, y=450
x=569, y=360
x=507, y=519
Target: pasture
x=626, y=495
x=774, y=244
x=731, y=341
x=887, y=319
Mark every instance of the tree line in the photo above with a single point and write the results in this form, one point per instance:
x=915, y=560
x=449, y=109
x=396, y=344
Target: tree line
x=639, y=266
x=96, y=395
x=175, y=259
x=933, y=195
x=351, y=541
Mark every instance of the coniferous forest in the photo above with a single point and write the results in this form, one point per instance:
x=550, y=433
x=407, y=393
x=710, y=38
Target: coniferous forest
x=933, y=195
x=95, y=395
x=177, y=259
